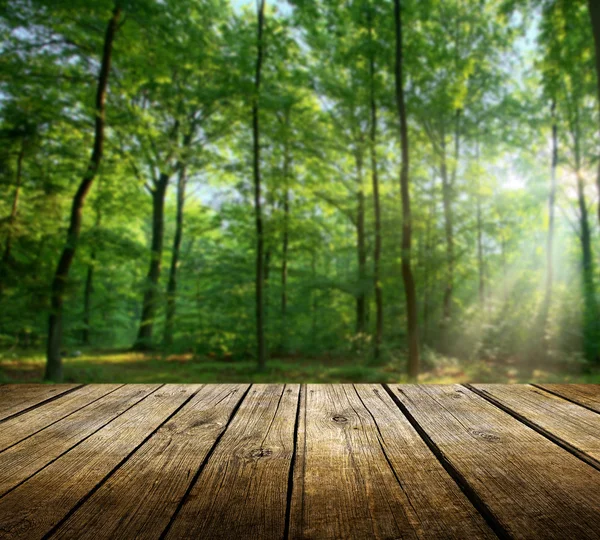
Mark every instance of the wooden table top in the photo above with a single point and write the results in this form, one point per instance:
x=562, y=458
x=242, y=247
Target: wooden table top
x=299, y=461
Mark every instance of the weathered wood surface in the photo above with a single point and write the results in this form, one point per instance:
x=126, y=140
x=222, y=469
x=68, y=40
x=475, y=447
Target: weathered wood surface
x=20, y=427
x=362, y=471
x=564, y=422
x=140, y=498
x=38, y=505
x=23, y=460
x=15, y=398
x=242, y=490
x=290, y=461
x=587, y=395
x=532, y=487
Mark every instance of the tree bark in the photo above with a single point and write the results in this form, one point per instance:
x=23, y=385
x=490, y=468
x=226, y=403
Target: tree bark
x=285, y=240
x=376, y=204
x=361, y=300
x=172, y=284
x=260, y=330
x=144, y=337
x=407, y=276
x=594, y=8
x=53, y=356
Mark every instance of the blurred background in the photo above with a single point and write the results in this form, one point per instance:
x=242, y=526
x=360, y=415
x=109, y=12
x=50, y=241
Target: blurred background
x=243, y=220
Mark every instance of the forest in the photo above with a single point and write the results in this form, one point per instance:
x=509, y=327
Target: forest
x=345, y=190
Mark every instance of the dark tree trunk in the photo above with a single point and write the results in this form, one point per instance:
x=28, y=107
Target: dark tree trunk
x=407, y=276
x=285, y=240
x=260, y=330
x=172, y=285
x=376, y=206
x=361, y=301
x=54, y=361
x=594, y=7
x=144, y=337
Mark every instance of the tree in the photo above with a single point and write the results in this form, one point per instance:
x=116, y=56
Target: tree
x=260, y=277
x=53, y=352
x=407, y=276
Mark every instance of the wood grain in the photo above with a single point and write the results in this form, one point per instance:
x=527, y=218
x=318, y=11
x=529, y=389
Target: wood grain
x=587, y=395
x=363, y=472
x=242, y=490
x=20, y=427
x=567, y=424
x=36, y=506
x=140, y=498
x=23, y=460
x=15, y=398
x=532, y=487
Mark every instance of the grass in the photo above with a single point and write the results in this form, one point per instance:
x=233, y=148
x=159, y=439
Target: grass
x=133, y=367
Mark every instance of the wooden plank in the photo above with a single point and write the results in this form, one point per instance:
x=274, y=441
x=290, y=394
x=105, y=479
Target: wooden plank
x=23, y=460
x=241, y=492
x=532, y=487
x=587, y=395
x=362, y=471
x=35, y=507
x=20, y=427
x=15, y=398
x=141, y=497
x=575, y=428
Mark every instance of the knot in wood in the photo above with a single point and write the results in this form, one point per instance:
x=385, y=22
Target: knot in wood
x=486, y=435
x=261, y=452
x=340, y=419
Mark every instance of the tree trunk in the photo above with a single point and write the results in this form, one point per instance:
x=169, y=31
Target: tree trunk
x=361, y=301
x=260, y=330
x=172, y=285
x=376, y=206
x=54, y=361
x=144, y=337
x=285, y=241
x=407, y=276
x=594, y=8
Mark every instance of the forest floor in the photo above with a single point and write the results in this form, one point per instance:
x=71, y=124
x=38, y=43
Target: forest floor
x=133, y=367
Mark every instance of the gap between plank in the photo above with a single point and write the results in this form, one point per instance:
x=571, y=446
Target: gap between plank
x=538, y=429
x=290, y=492
x=85, y=498
x=77, y=443
x=203, y=464
x=36, y=405
x=454, y=473
x=61, y=418
x=564, y=397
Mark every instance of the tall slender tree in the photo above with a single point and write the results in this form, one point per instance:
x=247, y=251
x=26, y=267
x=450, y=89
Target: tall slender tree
x=407, y=275
x=376, y=201
x=54, y=370
x=260, y=278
